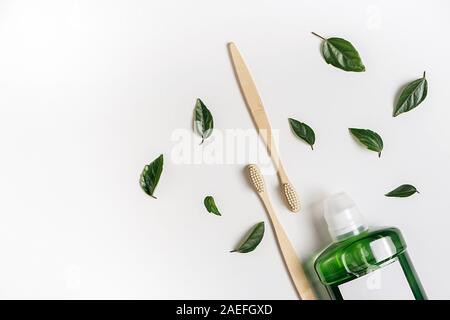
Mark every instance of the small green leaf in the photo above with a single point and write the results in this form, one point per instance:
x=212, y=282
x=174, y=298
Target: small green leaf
x=204, y=122
x=253, y=239
x=405, y=190
x=303, y=131
x=411, y=96
x=150, y=176
x=369, y=138
x=210, y=205
x=341, y=54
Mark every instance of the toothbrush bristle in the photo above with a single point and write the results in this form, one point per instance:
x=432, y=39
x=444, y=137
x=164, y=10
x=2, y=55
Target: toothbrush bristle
x=291, y=197
x=256, y=178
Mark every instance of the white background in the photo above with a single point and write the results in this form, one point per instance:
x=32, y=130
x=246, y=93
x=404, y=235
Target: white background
x=90, y=91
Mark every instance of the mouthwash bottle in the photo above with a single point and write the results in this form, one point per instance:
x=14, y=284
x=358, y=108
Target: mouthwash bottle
x=363, y=263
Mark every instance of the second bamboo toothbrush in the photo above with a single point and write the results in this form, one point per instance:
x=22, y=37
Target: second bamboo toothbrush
x=290, y=257
x=261, y=121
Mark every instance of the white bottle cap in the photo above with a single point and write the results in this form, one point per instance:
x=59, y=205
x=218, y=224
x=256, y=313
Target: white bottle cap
x=343, y=216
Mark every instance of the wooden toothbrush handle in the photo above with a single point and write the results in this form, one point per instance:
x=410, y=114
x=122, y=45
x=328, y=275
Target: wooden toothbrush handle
x=290, y=257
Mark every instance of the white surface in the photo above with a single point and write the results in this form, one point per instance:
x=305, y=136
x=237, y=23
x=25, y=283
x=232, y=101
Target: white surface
x=90, y=91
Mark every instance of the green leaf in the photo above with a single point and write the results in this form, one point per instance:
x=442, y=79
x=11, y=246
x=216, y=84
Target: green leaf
x=405, y=190
x=253, y=239
x=411, y=96
x=210, y=205
x=150, y=176
x=204, y=122
x=303, y=131
x=369, y=138
x=341, y=54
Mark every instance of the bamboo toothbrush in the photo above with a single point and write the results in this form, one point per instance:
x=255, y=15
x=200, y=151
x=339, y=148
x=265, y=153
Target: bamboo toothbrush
x=261, y=121
x=291, y=259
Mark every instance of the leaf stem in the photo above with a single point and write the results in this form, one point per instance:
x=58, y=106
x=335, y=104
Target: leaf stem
x=424, y=74
x=312, y=148
x=233, y=251
x=153, y=196
x=318, y=36
x=379, y=154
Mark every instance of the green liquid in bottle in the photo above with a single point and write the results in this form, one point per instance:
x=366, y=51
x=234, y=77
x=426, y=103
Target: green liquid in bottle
x=362, y=263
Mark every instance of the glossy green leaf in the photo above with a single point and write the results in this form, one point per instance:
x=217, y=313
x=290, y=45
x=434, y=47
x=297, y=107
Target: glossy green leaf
x=411, y=96
x=405, y=190
x=210, y=205
x=253, y=239
x=303, y=131
x=204, y=122
x=369, y=138
x=150, y=176
x=341, y=54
